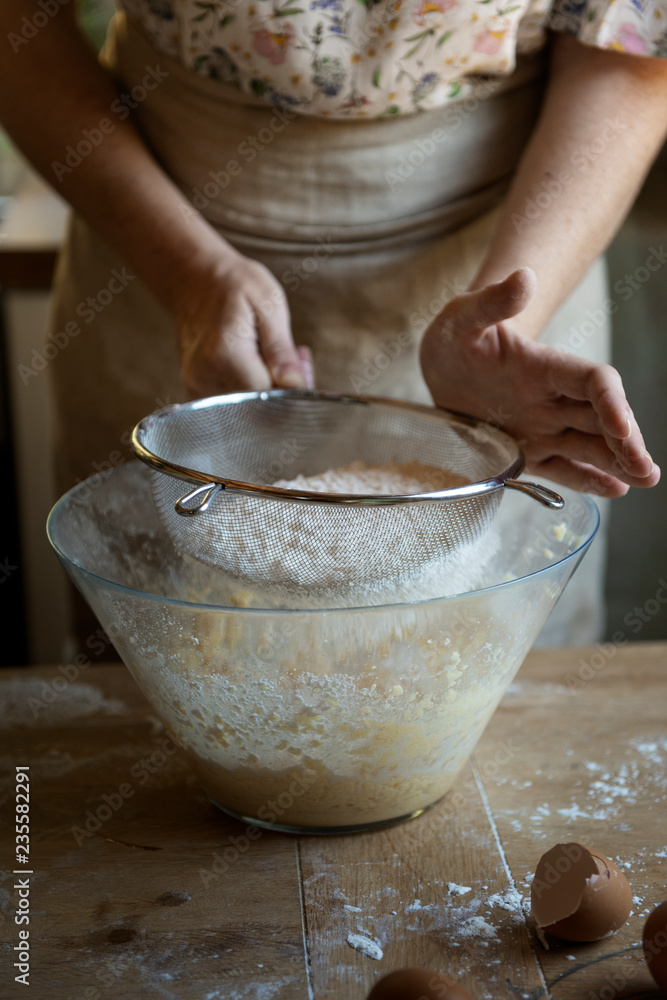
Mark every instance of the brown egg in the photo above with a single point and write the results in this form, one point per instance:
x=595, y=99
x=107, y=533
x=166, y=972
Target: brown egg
x=578, y=894
x=655, y=945
x=418, y=984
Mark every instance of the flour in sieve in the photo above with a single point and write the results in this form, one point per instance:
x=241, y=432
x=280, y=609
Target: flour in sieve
x=392, y=479
x=457, y=571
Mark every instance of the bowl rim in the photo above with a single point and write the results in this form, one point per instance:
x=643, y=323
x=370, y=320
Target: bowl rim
x=67, y=562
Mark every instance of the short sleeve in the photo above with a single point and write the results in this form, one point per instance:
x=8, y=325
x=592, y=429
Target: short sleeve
x=638, y=27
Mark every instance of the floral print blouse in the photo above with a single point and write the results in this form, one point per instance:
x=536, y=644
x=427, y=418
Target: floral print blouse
x=367, y=58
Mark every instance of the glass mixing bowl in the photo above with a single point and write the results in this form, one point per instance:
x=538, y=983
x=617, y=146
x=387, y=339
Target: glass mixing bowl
x=314, y=721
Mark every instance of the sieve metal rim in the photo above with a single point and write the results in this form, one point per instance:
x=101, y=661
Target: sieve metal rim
x=172, y=469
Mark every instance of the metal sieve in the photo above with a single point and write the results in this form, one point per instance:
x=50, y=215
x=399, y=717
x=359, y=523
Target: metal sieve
x=233, y=447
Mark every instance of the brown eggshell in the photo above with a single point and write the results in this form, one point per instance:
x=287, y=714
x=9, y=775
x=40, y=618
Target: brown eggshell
x=578, y=894
x=418, y=984
x=655, y=945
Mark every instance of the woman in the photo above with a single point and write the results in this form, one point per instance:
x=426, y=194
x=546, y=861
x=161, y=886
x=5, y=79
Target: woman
x=345, y=176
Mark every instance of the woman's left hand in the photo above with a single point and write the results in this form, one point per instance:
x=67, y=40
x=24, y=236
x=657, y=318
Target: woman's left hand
x=570, y=416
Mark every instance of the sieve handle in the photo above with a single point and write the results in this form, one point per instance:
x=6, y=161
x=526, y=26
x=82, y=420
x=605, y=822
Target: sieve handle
x=207, y=492
x=538, y=492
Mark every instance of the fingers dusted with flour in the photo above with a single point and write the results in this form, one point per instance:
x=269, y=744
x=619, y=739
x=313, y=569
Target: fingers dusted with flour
x=570, y=415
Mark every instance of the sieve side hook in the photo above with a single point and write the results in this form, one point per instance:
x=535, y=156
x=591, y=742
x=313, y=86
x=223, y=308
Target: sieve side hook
x=207, y=492
x=542, y=494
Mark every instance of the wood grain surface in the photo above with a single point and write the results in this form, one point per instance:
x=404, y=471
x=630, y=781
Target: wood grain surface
x=169, y=898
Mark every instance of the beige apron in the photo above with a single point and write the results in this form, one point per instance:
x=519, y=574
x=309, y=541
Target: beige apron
x=370, y=226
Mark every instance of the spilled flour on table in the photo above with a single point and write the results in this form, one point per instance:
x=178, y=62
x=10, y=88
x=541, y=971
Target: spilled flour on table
x=604, y=794
x=608, y=788
x=458, y=890
x=35, y=702
x=417, y=905
x=572, y=813
x=463, y=915
x=476, y=927
x=510, y=900
x=472, y=919
x=365, y=945
x=653, y=751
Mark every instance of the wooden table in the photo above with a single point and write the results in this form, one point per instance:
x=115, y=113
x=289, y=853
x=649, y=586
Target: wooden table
x=139, y=907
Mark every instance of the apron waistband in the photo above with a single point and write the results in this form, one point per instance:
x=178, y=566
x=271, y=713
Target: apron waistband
x=268, y=177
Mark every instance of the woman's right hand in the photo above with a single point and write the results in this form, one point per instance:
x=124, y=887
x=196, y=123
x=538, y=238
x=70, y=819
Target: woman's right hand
x=234, y=332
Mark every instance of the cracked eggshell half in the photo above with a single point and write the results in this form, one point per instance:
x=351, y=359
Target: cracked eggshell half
x=578, y=894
